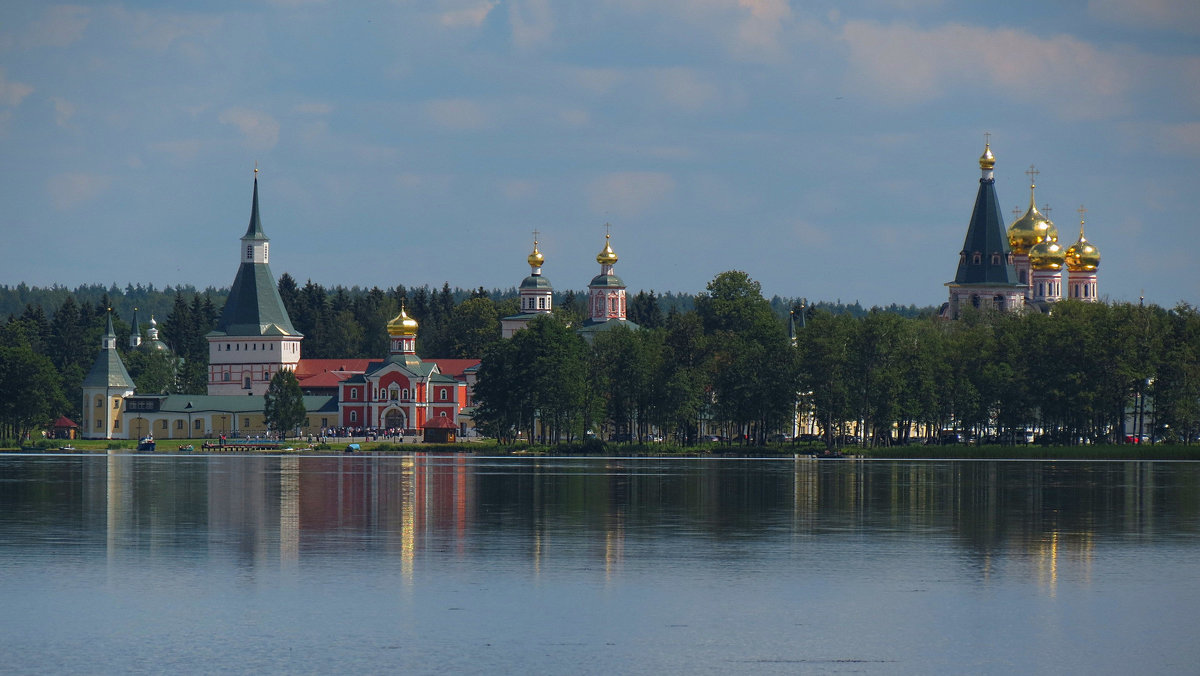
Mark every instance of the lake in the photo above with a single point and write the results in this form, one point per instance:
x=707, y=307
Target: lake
x=125, y=563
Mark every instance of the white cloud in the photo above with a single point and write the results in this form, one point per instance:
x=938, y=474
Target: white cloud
x=684, y=88
x=904, y=64
x=159, y=31
x=810, y=235
x=61, y=26
x=516, y=189
x=1177, y=139
x=459, y=114
x=12, y=93
x=531, y=22
x=1171, y=15
x=63, y=111
x=749, y=29
x=575, y=117
x=182, y=150
x=469, y=14
x=629, y=193
x=72, y=188
x=260, y=130
x=313, y=108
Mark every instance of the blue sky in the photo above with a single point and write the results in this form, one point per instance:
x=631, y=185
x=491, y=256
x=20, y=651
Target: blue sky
x=828, y=149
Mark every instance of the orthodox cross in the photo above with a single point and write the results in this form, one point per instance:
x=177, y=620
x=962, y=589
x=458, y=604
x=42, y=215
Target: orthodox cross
x=1032, y=173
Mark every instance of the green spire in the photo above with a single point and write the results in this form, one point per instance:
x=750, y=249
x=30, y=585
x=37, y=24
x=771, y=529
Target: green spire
x=109, y=332
x=255, y=230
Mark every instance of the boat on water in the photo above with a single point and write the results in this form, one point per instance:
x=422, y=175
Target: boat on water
x=146, y=444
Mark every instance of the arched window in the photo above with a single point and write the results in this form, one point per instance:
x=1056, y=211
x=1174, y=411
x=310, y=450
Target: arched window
x=976, y=258
x=246, y=383
x=353, y=416
x=445, y=394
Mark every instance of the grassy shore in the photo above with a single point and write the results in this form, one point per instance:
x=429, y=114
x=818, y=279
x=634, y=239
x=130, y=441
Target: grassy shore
x=665, y=450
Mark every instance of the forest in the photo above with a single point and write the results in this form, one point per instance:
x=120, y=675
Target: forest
x=722, y=360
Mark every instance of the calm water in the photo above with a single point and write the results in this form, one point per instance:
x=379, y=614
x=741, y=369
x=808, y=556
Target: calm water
x=135, y=564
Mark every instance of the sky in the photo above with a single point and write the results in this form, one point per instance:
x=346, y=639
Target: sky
x=828, y=149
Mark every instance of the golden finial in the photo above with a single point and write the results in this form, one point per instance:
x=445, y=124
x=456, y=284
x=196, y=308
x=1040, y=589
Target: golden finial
x=256, y=167
x=536, y=259
x=987, y=161
x=607, y=256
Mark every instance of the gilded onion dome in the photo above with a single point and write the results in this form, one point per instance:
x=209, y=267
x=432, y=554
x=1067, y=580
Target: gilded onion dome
x=1031, y=228
x=1047, y=255
x=536, y=259
x=1083, y=256
x=987, y=160
x=607, y=256
x=402, y=325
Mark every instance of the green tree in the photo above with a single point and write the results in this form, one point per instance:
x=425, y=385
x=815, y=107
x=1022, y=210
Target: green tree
x=29, y=392
x=283, y=404
x=474, y=325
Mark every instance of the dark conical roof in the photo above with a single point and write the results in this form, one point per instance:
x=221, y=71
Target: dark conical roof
x=255, y=230
x=985, y=256
x=254, y=307
x=108, y=370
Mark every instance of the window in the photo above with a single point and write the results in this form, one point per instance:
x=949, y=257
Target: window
x=249, y=251
x=308, y=422
x=196, y=424
x=541, y=303
x=245, y=423
x=98, y=425
x=162, y=425
x=179, y=424
x=227, y=376
x=324, y=422
x=444, y=394
x=246, y=383
x=116, y=403
x=354, y=393
x=117, y=425
x=405, y=393
x=395, y=395
x=266, y=376
x=353, y=416
x=996, y=259
x=976, y=258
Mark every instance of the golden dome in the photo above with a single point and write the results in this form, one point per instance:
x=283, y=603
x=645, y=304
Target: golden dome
x=402, y=325
x=1030, y=229
x=1047, y=255
x=1083, y=256
x=987, y=160
x=536, y=258
x=608, y=256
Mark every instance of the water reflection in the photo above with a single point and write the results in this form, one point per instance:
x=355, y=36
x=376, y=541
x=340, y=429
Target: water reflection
x=268, y=511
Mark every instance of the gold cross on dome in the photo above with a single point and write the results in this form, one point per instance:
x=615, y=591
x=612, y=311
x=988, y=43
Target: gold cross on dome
x=1046, y=210
x=1032, y=173
x=535, y=236
x=987, y=138
x=1081, y=211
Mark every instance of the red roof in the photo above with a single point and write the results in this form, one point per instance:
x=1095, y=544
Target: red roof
x=440, y=422
x=308, y=368
x=453, y=367
x=63, y=421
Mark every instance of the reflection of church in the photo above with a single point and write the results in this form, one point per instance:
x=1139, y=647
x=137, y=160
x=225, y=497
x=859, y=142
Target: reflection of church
x=1021, y=267
x=253, y=340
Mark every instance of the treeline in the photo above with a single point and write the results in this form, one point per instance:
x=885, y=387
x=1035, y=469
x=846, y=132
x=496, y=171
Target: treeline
x=56, y=331
x=727, y=368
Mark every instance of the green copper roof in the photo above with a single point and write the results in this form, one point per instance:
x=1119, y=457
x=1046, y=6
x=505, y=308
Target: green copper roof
x=254, y=307
x=255, y=230
x=606, y=282
x=108, y=370
x=985, y=252
x=590, y=328
x=217, y=403
x=535, y=282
